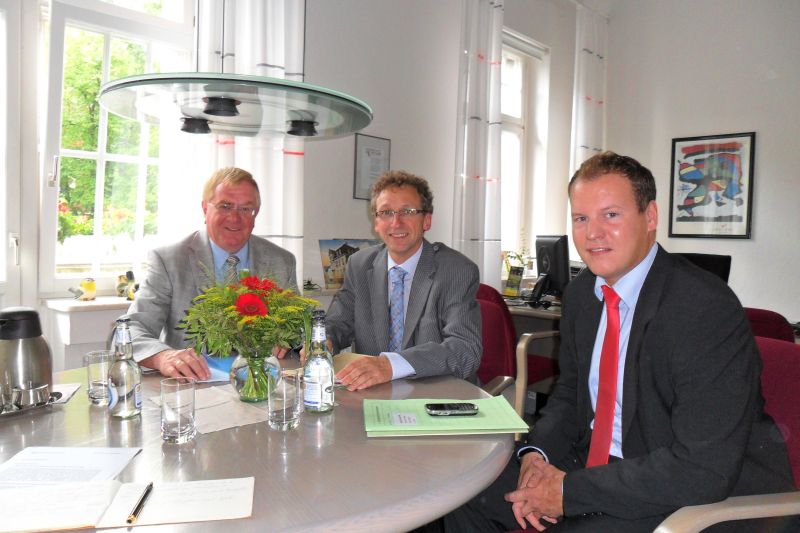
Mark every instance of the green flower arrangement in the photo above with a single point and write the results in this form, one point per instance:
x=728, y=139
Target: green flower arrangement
x=248, y=318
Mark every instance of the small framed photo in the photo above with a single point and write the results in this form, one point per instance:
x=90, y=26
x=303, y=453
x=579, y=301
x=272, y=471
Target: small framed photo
x=711, y=186
x=372, y=160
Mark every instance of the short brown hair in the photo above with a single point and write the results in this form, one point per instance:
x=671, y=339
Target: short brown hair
x=401, y=178
x=232, y=175
x=642, y=181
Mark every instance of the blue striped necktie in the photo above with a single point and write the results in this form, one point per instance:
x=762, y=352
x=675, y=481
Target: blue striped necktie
x=396, y=312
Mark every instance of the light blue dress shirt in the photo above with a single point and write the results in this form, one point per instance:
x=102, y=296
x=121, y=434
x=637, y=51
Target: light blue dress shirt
x=628, y=288
x=400, y=367
x=220, y=256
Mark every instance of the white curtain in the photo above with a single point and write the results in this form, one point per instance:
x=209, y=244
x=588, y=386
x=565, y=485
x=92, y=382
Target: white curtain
x=476, y=205
x=263, y=38
x=588, y=125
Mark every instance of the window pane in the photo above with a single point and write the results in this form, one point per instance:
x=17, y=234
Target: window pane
x=80, y=112
x=127, y=59
x=76, y=197
x=153, y=133
x=151, y=202
x=119, y=194
x=76, y=244
x=510, y=190
x=511, y=85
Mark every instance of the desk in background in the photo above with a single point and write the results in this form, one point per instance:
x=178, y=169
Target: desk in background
x=529, y=320
x=326, y=475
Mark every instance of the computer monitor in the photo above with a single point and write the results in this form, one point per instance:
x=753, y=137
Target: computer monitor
x=552, y=263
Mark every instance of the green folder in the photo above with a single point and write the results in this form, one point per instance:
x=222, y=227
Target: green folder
x=408, y=418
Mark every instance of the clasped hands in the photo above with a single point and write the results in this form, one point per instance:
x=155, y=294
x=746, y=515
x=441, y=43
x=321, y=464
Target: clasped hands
x=539, y=495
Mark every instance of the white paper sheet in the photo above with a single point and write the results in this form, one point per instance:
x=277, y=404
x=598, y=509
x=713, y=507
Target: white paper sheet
x=54, y=466
x=108, y=504
x=188, y=501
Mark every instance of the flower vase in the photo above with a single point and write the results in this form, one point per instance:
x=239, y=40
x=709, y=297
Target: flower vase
x=254, y=376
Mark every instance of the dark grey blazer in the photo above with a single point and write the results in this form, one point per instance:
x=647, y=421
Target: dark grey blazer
x=693, y=426
x=442, y=332
x=179, y=272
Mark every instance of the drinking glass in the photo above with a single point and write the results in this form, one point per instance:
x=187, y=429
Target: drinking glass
x=177, y=410
x=97, y=364
x=285, y=401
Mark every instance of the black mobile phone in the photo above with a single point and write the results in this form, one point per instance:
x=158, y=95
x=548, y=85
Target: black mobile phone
x=451, y=409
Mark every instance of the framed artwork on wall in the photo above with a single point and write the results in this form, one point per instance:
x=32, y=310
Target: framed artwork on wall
x=711, y=186
x=372, y=160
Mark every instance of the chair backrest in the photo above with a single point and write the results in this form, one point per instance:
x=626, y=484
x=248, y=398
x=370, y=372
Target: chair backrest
x=780, y=383
x=716, y=264
x=499, y=336
x=767, y=323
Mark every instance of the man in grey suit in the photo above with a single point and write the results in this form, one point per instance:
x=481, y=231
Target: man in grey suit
x=179, y=272
x=408, y=302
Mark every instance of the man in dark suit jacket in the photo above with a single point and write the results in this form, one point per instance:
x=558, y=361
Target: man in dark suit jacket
x=441, y=319
x=179, y=272
x=689, y=426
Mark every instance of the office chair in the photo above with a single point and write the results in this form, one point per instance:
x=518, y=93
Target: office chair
x=504, y=357
x=716, y=264
x=770, y=324
x=780, y=383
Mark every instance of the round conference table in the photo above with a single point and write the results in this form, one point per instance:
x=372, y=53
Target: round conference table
x=324, y=475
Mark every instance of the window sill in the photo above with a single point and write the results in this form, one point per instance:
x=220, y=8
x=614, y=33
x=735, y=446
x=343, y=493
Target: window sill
x=101, y=303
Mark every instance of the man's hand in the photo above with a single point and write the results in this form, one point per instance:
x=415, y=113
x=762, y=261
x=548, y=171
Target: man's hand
x=365, y=372
x=538, y=496
x=177, y=363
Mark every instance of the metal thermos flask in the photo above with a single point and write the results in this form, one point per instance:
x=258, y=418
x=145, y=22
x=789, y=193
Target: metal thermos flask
x=26, y=368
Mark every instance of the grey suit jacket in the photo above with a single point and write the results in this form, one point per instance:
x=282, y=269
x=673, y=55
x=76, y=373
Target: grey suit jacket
x=442, y=332
x=693, y=425
x=179, y=272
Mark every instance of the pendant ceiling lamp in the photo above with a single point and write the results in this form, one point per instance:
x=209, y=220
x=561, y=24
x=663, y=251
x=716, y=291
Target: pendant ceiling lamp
x=235, y=104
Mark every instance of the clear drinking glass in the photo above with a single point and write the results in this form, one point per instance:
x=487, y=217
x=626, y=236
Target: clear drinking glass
x=285, y=401
x=177, y=410
x=97, y=364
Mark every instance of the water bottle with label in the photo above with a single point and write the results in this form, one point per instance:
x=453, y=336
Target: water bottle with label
x=124, y=376
x=318, y=370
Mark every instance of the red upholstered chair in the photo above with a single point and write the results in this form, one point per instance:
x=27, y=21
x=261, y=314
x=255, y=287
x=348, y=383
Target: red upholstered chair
x=780, y=383
x=503, y=357
x=767, y=323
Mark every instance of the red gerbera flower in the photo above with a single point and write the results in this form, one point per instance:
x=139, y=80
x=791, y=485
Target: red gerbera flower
x=251, y=305
x=253, y=283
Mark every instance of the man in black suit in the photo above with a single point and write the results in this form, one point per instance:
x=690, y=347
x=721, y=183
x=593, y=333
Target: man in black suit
x=684, y=419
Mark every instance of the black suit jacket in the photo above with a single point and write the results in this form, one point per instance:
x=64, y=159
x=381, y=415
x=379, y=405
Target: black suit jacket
x=693, y=426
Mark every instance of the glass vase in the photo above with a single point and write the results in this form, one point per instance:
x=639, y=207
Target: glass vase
x=254, y=376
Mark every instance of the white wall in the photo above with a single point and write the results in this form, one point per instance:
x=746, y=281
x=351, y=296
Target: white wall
x=698, y=67
x=402, y=59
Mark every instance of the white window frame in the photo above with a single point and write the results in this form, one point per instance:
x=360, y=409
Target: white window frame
x=533, y=130
x=10, y=236
x=112, y=21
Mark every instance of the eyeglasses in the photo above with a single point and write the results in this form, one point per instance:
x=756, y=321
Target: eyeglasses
x=229, y=209
x=388, y=214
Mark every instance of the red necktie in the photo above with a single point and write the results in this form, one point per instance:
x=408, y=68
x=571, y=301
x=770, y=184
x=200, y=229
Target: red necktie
x=607, y=388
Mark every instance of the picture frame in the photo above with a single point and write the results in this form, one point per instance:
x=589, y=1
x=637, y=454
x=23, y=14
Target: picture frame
x=711, y=186
x=371, y=160
x=334, y=254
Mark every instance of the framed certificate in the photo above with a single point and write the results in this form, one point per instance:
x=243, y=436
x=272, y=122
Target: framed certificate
x=372, y=160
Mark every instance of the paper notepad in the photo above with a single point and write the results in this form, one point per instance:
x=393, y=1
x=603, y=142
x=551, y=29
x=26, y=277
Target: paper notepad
x=408, y=418
x=108, y=504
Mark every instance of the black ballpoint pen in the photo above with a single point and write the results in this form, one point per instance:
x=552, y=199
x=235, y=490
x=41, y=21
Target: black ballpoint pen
x=140, y=504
